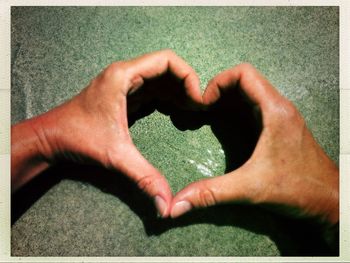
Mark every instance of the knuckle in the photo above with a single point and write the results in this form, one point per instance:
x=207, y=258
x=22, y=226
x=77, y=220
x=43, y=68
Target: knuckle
x=292, y=114
x=146, y=183
x=246, y=66
x=169, y=52
x=289, y=109
x=286, y=111
x=285, y=117
x=118, y=72
x=116, y=68
x=206, y=198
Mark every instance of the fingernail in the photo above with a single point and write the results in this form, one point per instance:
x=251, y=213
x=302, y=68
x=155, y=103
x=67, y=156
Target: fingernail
x=160, y=205
x=180, y=208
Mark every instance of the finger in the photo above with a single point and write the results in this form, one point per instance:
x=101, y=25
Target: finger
x=155, y=64
x=232, y=187
x=145, y=175
x=253, y=84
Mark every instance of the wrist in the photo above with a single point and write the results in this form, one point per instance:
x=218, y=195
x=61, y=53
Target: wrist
x=27, y=159
x=47, y=132
x=36, y=144
x=56, y=132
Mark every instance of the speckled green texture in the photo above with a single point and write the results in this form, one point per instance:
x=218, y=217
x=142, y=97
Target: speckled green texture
x=57, y=51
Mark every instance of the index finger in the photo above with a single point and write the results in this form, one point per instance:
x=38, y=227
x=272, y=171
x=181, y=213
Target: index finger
x=157, y=63
x=255, y=86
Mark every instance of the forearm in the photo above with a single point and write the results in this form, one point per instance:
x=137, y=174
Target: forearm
x=27, y=159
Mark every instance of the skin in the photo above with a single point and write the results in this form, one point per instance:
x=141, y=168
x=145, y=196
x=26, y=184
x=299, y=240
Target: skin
x=93, y=126
x=287, y=167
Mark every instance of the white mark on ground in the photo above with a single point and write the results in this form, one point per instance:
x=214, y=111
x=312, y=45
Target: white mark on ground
x=209, y=162
x=203, y=168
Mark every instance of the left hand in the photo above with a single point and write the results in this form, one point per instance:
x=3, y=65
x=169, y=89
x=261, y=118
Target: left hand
x=93, y=126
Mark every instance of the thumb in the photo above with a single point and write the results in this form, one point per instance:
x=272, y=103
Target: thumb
x=131, y=163
x=231, y=187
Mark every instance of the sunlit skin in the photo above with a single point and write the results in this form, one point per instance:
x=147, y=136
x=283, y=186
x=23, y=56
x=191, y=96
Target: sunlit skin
x=287, y=167
x=93, y=126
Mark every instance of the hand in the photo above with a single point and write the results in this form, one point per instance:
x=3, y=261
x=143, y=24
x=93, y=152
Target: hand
x=287, y=167
x=93, y=126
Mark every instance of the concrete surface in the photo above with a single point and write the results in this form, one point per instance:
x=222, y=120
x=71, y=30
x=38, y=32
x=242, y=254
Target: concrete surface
x=87, y=212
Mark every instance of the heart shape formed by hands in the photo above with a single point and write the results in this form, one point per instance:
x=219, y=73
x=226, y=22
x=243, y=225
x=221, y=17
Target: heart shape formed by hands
x=93, y=126
x=244, y=93
x=233, y=119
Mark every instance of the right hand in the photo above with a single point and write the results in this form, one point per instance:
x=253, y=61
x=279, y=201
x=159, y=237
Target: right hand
x=287, y=168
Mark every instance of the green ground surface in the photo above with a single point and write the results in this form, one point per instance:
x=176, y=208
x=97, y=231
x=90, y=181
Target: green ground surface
x=85, y=211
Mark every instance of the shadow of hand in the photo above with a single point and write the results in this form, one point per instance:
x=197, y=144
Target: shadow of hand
x=233, y=119
x=236, y=124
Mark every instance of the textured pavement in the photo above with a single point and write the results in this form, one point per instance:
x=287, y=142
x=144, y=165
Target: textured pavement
x=87, y=211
